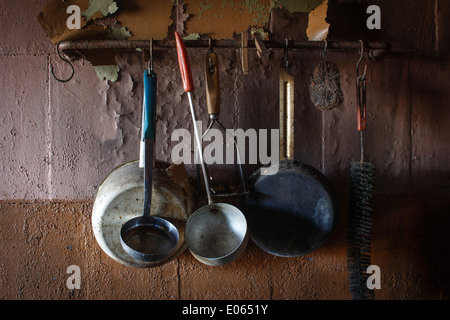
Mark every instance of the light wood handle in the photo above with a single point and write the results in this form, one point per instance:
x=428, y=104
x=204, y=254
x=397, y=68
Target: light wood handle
x=286, y=115
x=212, y=83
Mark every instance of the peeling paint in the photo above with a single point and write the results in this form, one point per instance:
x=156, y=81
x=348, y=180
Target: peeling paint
x=317, y=26
x=110, y=73
x=180, y=17
x=146, y=19
x=53, y=18
x=260, y=9
x=118, y=33
x=260, y=31
x=192, y=36
x=97, y=7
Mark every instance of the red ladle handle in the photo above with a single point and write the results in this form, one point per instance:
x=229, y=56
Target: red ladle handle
x=185, y=67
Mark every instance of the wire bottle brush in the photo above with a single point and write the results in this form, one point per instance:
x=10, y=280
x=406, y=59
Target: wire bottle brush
x=362, y=176
x=362, y=182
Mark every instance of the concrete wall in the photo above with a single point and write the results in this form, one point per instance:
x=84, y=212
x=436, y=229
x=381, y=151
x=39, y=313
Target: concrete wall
x=58, y=141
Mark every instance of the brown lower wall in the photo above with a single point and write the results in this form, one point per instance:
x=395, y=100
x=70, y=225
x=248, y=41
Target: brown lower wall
x=40, y=240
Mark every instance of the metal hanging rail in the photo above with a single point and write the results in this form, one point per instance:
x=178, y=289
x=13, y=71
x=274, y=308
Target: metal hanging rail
x=375, y=49
x=165, y=44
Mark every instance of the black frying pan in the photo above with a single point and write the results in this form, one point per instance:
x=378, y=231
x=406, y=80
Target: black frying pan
x=293, y=211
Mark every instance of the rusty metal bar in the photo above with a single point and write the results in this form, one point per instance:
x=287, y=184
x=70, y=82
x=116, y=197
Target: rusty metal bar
x=165, y=44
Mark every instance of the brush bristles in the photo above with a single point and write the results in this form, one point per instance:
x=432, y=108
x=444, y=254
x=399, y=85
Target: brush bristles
x=360, y=229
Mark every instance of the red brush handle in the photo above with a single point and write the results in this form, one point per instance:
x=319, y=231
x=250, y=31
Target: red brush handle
x=185, y=67
x=361, y=121
x=361, y=104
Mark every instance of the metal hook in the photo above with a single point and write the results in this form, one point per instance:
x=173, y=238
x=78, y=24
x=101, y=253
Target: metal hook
x=359, y=61
x=287, y=63
x=361, y=86
x=65, y=60
x=211, y=65
x=150, y=64
x=324, y=53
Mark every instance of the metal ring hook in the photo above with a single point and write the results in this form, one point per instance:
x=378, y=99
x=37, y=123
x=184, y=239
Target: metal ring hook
x=324, y=53
x=211, y=65
x=150, y=64
x=359, y=61
x=287, y=63
x=65, y=60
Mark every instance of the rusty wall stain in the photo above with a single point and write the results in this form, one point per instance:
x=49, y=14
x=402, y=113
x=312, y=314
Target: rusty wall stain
x=146, y=19
x=53, y=18
x=220, y=19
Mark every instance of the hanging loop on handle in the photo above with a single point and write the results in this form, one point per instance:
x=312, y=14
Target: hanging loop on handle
x=324, y=52
x=359, y=61
x=361, y=86
x=287, y=63
x=212, y=85
x=210, y=58
x=150, y=63
x=210, y=44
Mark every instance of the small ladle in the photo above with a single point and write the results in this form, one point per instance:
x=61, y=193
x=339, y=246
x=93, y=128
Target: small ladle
x=149, y=238
x=216, y=233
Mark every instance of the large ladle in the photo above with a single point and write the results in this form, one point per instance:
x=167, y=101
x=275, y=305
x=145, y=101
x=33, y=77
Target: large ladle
x=149, y=238
x=216, y=234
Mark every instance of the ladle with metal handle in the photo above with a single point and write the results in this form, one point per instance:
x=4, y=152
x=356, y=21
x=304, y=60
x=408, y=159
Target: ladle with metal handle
x=149, y=238
x=215, y=234
x=188, y=86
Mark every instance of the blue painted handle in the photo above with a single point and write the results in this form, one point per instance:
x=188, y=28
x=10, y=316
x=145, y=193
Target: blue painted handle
x=149, y=105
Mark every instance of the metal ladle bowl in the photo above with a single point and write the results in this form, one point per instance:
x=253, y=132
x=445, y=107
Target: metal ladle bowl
x=149, y=238
x=216, y=234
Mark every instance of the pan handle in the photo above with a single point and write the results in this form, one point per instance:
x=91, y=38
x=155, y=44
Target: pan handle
x=185, y=67
x=212, y=85
x=150, y=89
x=286, y=115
